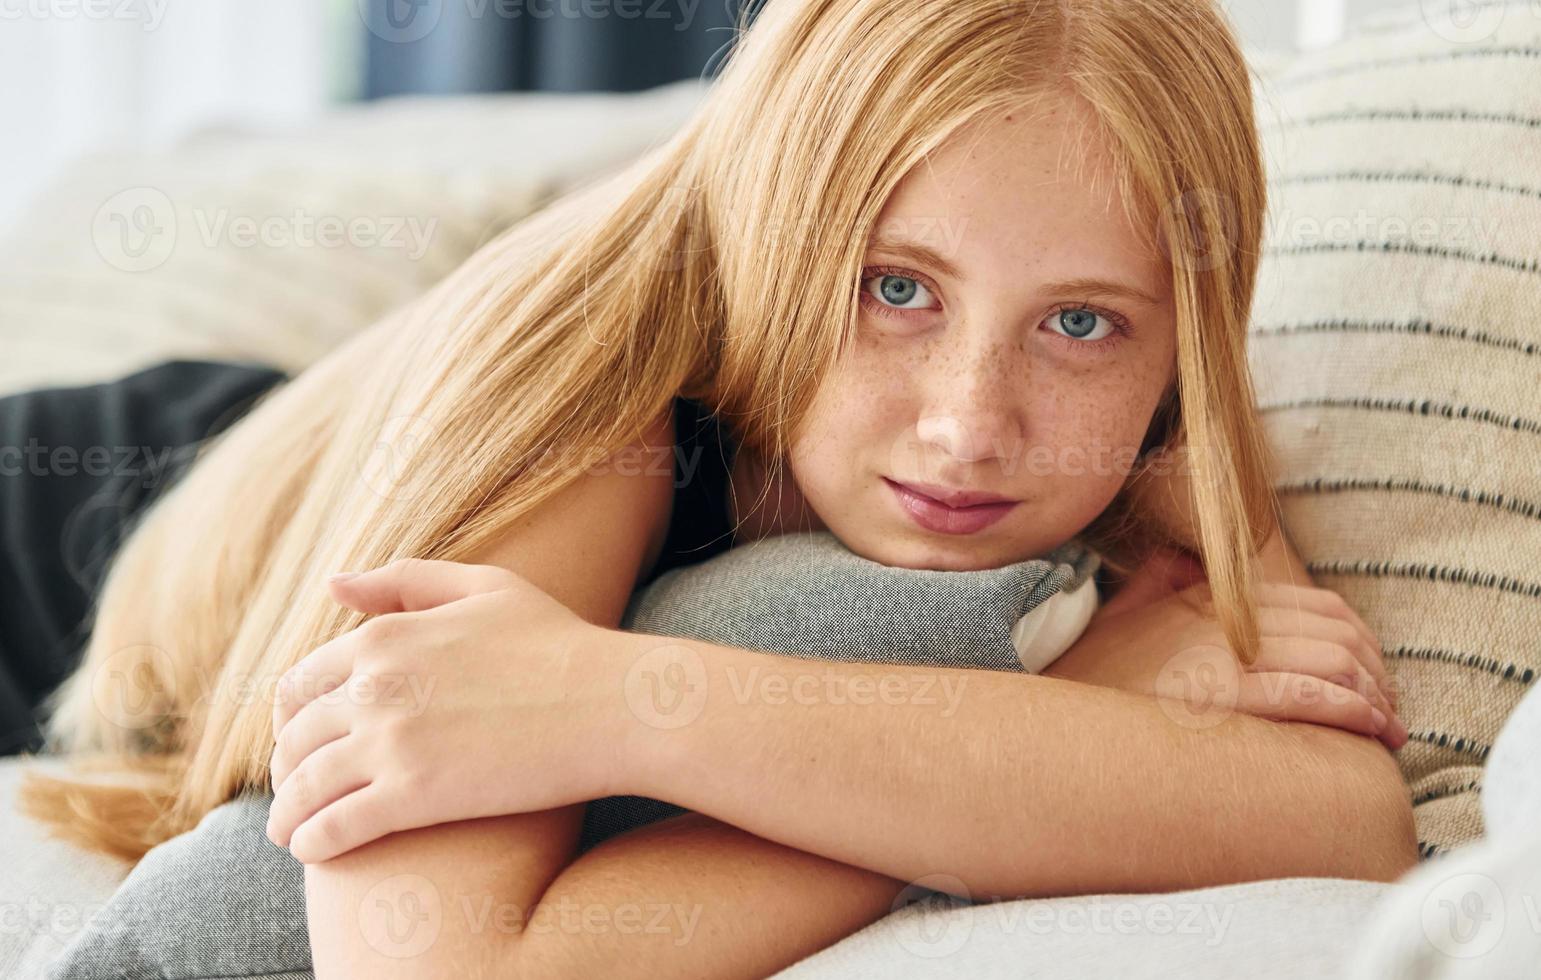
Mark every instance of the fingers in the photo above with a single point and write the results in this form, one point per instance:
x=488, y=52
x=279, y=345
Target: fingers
x=323, y=669
x=1296, y=697
x=1332, y=663
x=1373, y=641
x=1290, y=601
x=352, y=821
x=329, y=773
x=317, y=723
x=1320, y=657
x=412, y=584
x=1324, y=602
x=1290, y=611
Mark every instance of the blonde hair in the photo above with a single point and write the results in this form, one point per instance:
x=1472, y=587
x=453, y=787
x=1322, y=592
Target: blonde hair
x=570, y=332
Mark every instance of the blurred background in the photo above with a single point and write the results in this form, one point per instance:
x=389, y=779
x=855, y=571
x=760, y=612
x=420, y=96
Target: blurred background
x=81, y=75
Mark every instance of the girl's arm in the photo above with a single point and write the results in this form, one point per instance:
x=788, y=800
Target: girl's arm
x=502, y=896
x=684, y=897
x=428, y=902
x=1025, y=785
x=1015, y=785
x=693, y=897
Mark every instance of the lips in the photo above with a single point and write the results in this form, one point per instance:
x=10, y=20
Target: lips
x=954, y=498
x=934, y=515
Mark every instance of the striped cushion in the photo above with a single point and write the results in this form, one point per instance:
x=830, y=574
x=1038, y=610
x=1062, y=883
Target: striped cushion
x=1396, y=349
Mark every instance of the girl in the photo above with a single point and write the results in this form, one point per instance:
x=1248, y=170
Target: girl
x=902, y=246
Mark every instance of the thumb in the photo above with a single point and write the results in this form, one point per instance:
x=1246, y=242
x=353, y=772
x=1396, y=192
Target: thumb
x=412, y=584
x=1166, y=571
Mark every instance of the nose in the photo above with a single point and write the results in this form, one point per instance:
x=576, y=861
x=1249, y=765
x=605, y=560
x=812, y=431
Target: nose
x=972, y=412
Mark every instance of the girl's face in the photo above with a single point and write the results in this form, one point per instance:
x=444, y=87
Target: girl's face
x=1014, y=340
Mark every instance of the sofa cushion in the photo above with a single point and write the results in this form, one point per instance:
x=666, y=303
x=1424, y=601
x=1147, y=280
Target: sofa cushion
x=218, y=901
x=1280, y=929
x=1470, y=913
x=1396, y=351
x=53, y=889
x=274, y=246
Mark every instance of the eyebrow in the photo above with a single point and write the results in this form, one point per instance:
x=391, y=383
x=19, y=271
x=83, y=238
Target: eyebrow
x=1091, y=285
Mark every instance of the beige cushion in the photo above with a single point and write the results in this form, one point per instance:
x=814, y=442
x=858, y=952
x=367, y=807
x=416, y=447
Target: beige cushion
x=1396, y=348
x=275, y=246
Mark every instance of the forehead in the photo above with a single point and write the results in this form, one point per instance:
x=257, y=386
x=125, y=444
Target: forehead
x=1029, y=189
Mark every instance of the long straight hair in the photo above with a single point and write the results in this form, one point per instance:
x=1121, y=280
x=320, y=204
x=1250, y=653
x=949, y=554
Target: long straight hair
x=564, y=337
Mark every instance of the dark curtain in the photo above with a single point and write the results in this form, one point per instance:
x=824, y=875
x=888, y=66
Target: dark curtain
x=447, y=46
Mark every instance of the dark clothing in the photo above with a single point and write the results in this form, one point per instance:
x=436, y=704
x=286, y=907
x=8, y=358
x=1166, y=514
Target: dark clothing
x=78, y=465
x=700, y=525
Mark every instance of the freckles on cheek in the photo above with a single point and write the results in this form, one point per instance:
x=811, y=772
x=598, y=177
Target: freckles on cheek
x=1098, y=425
x=869, y=374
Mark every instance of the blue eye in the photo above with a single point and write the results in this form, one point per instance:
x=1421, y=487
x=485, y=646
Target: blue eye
x=899, y=292
x=1080, y=323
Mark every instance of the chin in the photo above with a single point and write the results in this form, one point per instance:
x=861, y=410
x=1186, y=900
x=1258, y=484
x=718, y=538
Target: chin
x=926, y=553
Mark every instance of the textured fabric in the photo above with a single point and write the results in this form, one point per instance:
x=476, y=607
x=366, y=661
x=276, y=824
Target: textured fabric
x=50, y=890
x=218, y=901
x=275, y=246
x=1470, y=913
x=1280, y=929
x=808, y=595
x=77, y=466
x=1396, y=349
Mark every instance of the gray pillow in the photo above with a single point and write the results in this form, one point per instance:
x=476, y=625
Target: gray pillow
x=807, y=594
x=223, y=901
x=219, y=901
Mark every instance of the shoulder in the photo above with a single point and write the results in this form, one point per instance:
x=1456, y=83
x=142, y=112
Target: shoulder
x=589, y=544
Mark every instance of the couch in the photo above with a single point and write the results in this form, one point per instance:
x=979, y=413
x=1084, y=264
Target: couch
x=1397, y=375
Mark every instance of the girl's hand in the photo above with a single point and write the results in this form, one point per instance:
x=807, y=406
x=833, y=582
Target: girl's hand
x=467, y=695
x=1158, y=636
